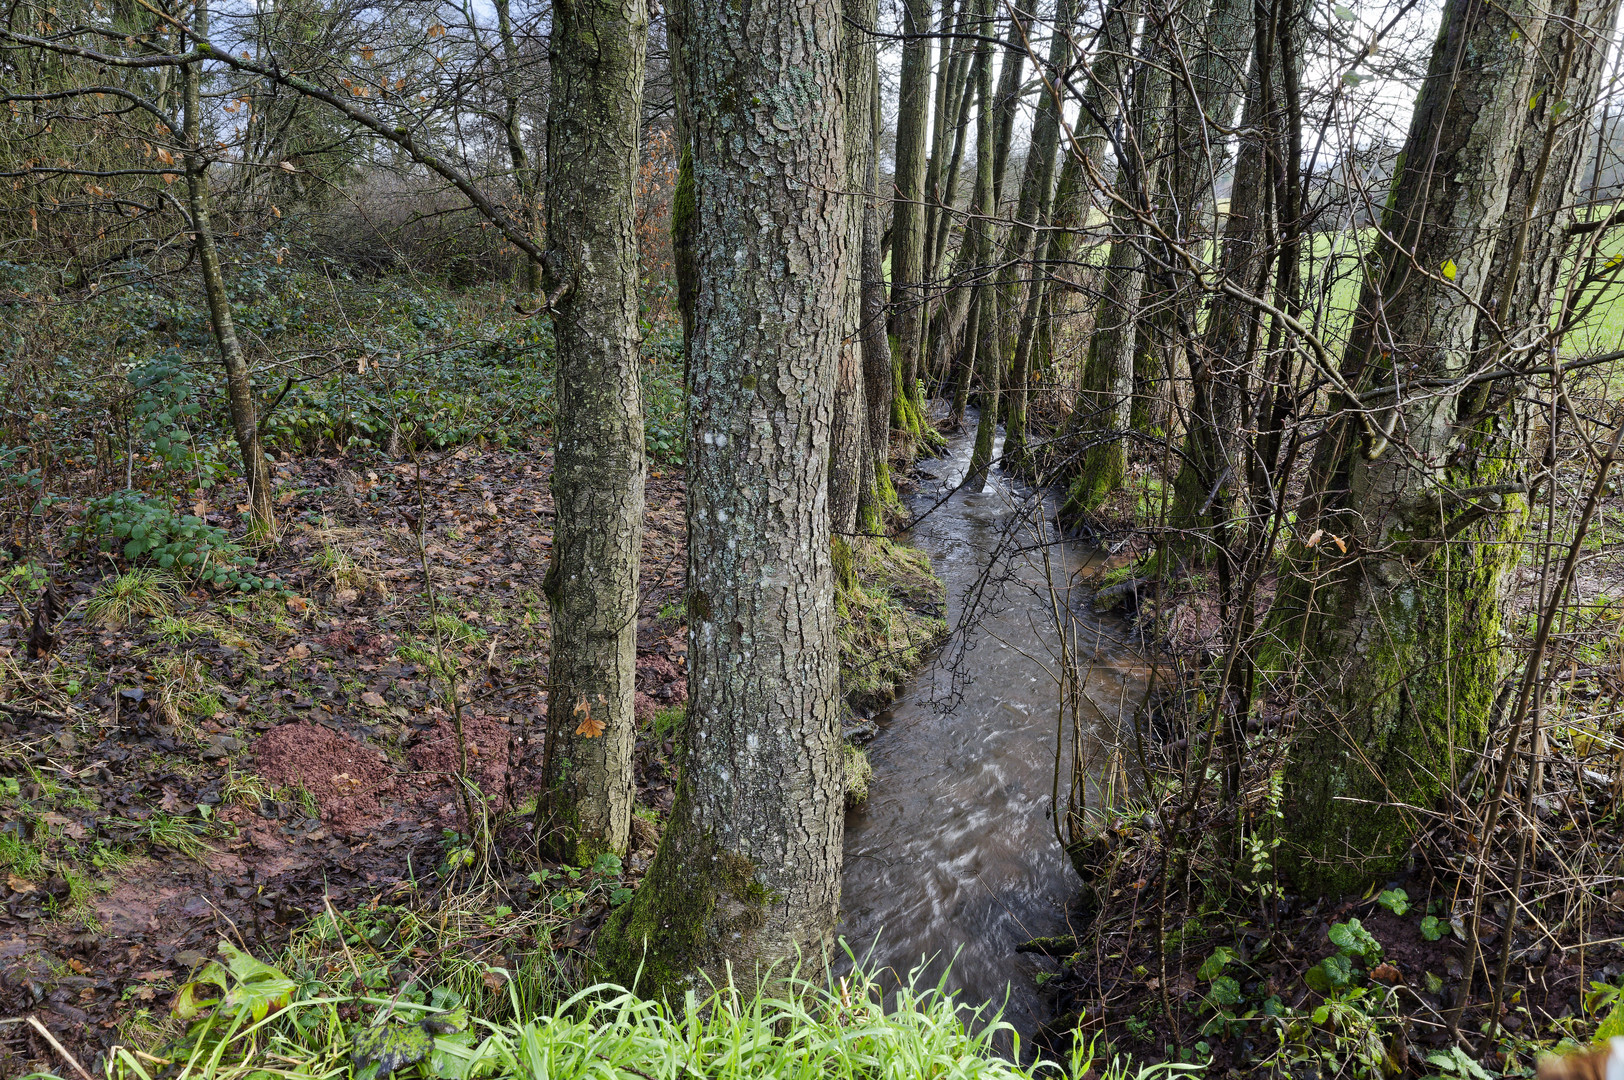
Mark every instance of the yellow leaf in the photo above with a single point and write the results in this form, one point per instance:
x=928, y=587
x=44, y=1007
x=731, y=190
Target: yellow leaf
x=1450, y=269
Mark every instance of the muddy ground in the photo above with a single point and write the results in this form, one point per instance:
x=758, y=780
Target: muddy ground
x=223, y=772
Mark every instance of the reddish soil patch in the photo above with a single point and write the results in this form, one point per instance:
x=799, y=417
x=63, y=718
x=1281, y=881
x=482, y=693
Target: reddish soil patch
x=489, y=741
x=346, y=777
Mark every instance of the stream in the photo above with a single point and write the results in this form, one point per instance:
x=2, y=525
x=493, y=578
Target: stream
x=953, y=858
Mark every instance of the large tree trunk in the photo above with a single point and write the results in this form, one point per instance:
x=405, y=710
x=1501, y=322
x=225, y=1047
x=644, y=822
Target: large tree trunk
x=239, y=390
x=594, y=113
x=1399, y=642
x=748, y=871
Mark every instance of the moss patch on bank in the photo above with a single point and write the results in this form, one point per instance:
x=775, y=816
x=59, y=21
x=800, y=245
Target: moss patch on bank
x=891, y=607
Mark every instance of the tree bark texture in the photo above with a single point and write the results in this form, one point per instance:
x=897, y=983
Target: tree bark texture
x=598, y=51
x=982, y=345
x=748, y=871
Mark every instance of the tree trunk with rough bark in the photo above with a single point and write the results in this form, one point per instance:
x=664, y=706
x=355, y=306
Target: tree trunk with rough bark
x=1397, y=644
x=879, y=366
x=598, y=51
x=748, y=870
x=239, y=388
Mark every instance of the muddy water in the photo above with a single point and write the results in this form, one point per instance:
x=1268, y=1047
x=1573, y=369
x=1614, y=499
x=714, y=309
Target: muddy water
x=954, y=858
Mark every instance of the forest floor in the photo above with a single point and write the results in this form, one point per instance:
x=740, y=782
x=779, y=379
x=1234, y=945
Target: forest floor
x=280, y=770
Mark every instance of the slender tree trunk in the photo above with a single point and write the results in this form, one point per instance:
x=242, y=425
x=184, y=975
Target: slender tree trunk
x=239, y=390
x=908, y=206
x=953, y=304
x=524, y=176
x=1036, y=199
x=598, y=50
x=1105, y=412
x=1217, y=73
x=850, y=456
x=748, y=870
x=981, y=345
x=1398, y=641
x=1006, y=102
x=1214, y=461
x=879, y=366
x=1058, y=276
x=949, y=93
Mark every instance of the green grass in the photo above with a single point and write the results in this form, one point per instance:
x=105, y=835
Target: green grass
x=839, y=1032
x=138, y=593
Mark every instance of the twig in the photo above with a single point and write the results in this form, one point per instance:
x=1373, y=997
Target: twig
x=69, y=1058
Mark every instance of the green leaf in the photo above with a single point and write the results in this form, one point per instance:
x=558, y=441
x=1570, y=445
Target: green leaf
x=260, y=988
x=1352, y=78
x=1342, y=12
x=1225, y=991
x=1613, y=1025
x=1354, y=940
x=1433, y=928
x=389, y=1047
x=1214, y=965
x=1332, y=973
x=1395, y=900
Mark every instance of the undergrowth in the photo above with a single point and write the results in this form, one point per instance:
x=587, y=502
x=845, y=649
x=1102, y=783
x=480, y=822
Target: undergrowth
x=252, y=1021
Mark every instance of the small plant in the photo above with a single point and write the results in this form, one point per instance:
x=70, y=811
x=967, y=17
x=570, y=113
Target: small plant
x=1395, y=900
x=147, y=530
x=134, y=594
x=1433, y=928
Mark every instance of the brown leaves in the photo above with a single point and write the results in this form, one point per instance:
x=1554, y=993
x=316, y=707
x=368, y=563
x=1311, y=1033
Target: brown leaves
x=590, y=726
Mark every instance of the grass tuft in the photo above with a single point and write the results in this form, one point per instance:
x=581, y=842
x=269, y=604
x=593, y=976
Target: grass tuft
x=134, y=594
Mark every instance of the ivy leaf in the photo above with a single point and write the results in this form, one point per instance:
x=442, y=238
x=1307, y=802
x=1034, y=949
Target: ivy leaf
x=1332, y=973
x=1432, y=928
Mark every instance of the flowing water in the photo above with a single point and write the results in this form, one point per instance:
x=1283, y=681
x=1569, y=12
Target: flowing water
x=954, y=858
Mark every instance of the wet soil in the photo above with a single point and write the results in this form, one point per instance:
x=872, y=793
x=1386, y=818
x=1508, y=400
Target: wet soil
x=227, y=773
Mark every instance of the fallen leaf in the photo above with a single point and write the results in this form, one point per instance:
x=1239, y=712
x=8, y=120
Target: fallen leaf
x=590, y=726
x=20, y=885
x=298, y=605
x=78, y=965
x=1386, y=973
x=155, y=976
x=300, y=651
x=373, y=699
